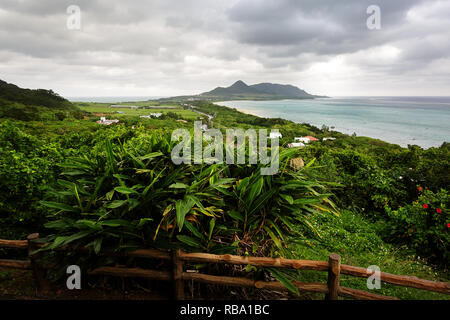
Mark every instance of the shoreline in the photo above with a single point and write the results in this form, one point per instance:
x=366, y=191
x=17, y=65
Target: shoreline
x=400, y=134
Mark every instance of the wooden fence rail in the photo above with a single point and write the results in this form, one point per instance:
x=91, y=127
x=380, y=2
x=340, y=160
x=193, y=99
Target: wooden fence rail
x=332, y=289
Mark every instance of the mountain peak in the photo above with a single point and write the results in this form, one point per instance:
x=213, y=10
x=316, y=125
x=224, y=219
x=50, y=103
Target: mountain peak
x=266, y=91
x=239, y=83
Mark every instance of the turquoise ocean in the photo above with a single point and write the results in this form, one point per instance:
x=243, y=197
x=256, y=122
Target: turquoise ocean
x=423, y=121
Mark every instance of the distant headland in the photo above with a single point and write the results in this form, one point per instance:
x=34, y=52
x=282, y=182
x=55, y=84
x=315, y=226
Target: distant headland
x=261, y=91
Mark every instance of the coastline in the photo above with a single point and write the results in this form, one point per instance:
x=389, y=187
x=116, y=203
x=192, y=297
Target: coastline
x=396, y=120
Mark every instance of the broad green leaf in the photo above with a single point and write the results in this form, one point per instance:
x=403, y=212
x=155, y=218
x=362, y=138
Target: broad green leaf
x=89, y=223
x=110, y=157
x=125, y=190
x=179, y=185
x=190, y=241
x=194, y=230
x=77, y=236
x=236, y=215
x=109, y=195
x=60, y=206
x=262, y=200
x=212, y=223
x=288, y=198
x=182, y=208
x=284, y=280
x=255, y=190
x=274, y=238
x=196, y=200
x=57, y=242
x=116, y=204
x=97, y=244
x=115, y=223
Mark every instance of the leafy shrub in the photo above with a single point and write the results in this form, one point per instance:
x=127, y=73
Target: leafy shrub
x=27, y=166
x=131, y=195
x=423, y=225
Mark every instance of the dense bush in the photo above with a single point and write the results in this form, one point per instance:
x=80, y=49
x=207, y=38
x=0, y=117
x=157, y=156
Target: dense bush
x=27, y=166
x=423, y=225
x=375, y=173
x=131, y=195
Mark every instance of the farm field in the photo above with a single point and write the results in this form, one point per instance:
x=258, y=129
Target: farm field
x=105, y=109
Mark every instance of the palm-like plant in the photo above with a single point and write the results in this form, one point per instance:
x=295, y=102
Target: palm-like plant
x=132, y=195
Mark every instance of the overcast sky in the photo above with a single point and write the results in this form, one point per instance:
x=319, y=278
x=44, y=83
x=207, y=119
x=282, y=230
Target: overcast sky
x=165, y=47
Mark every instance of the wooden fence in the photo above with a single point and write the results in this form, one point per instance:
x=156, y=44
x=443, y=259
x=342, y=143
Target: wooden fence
x=332, y=289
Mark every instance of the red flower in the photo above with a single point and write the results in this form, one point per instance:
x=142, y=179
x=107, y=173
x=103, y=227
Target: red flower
x=448, y=225
x=439, y=210
x=410, y=230
x=420, y=189
x=425, y=206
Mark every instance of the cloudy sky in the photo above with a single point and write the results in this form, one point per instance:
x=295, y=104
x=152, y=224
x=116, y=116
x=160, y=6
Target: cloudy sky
x=165, y=47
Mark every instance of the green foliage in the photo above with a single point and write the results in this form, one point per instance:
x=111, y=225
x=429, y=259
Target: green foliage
x=423, y=225
x=131, y=195
x=40, y=97
x=171, y=115
x=127, y=194
x=32, y=105
x=375, y=174
x=26, y=168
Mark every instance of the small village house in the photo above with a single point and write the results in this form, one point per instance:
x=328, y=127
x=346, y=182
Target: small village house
x=152, y=115
x=306, y=139
x=107, y=122
x=296, y=145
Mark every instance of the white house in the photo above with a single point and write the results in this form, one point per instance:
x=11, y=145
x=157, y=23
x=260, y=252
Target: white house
x=325, y=139
x=274, y=135
x=156, y=115
x=306, y=139
x=106, y=122
x=301, y=139
x=296, y=145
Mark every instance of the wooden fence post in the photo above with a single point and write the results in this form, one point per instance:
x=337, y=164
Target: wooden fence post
x=177, y=274
x=334, y=271
x=38, y=272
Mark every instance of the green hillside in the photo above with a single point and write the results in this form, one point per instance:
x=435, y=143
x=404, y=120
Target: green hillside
x=28, y=104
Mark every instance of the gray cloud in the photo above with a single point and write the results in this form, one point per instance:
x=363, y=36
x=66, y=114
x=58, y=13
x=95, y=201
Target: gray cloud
x=166, y=47
x=315, y=26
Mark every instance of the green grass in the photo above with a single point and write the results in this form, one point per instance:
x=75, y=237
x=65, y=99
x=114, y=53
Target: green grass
x=355, y=239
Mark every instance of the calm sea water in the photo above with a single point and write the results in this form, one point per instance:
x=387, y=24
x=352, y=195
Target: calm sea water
x=423, y=121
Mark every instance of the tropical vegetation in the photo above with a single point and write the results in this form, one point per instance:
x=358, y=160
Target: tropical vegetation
x=115, y=188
